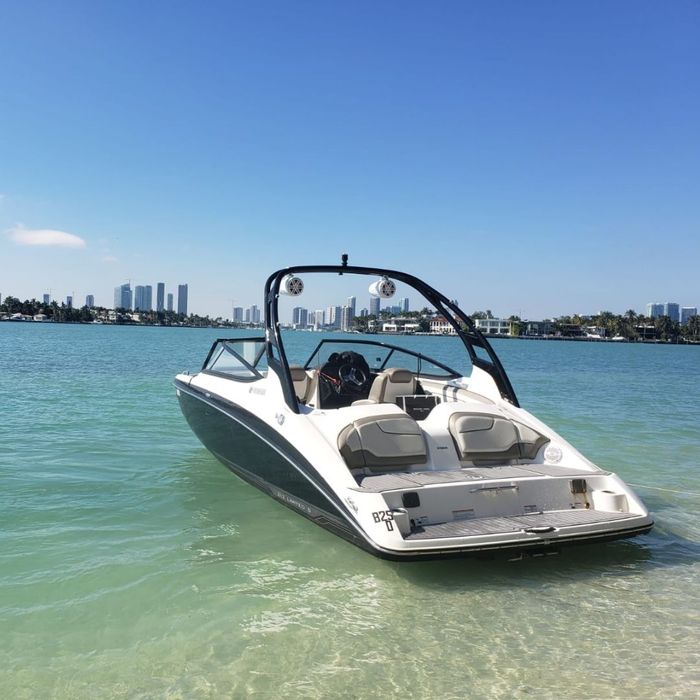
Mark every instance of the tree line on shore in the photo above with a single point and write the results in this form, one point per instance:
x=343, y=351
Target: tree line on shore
x=62, y=313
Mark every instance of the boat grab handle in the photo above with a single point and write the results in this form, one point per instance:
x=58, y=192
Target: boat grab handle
x=540, y=530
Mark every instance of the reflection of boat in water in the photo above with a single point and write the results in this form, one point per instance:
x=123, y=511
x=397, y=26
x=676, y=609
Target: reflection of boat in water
x=397, y=452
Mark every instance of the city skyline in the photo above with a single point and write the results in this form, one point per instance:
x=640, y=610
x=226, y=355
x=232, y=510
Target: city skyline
x=126, y=296
x=525, y=157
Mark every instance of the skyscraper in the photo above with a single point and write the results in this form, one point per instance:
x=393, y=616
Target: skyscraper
x=90, y=301
x=404, y=305
x=374, y=306
x=238, y=314
x=182, y=299
x=672, y=311
x=139, y=298
x=655, y=310
x=69, y=301
x=47, y=298
x=300, y=317
x=688, y=312
x=148, y=298
x=122, y=296
x=160, y=297
x=170, y=301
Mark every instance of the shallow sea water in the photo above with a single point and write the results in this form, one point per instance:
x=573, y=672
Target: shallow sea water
x=134, y=565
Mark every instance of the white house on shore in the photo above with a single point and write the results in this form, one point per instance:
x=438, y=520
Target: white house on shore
x=440, y=326
x=493, y=326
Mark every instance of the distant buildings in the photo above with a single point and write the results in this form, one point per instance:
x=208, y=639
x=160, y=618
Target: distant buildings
x=170, y=302
x=237, y=314
x=687, y=312
x=493, y=326
x=655, y=310
x=47, y=298
x=253, y=315
x=160, y=296
x=122, y=296
x=374, y=306
x=300, y=317
x=69, y=301
x=139, y=298
x=672, y=311
x=182, y=299
x=89, y=301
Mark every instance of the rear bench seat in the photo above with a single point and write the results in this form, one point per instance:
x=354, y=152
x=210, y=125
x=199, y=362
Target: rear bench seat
x=382, y=443
x=483, y=438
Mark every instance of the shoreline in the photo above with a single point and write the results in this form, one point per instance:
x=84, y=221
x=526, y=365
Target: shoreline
x=490, y=337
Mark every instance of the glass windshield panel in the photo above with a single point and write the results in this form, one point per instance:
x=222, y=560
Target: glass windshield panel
x=239, y=359
x=380, y=357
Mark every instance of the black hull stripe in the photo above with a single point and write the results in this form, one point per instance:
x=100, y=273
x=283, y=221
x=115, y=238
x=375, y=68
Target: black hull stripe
x=286, y=450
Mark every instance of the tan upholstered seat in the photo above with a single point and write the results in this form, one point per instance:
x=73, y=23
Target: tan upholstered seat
x=302, y=383
x=382, y=443
x=481, y=437
x=390, y=384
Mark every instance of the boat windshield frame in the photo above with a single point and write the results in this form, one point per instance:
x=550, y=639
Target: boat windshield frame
x=464, y=328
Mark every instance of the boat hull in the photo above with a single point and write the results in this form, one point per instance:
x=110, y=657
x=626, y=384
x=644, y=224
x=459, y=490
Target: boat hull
x=259, y=455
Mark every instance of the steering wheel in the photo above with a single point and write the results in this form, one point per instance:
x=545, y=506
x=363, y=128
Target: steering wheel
x=353, y=378
x=353, y=373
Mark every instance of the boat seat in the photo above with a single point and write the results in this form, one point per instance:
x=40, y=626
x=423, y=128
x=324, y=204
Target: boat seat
x=382, y=443
x=389, y=385
x=484, y=438
x=303, y=383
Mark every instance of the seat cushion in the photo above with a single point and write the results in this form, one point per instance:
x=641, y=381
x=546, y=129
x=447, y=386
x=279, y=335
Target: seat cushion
x=481, y=437
x=382, y=443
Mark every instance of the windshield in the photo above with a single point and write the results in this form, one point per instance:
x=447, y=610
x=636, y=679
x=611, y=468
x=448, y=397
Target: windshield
x=380, y=356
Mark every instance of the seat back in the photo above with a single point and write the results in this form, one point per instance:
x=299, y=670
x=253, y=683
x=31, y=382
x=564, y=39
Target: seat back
x=491, y=439
x=382, y=443
x=392, y=383
x=302, y=382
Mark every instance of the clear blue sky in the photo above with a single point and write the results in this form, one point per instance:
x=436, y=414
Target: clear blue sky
x=538, y=158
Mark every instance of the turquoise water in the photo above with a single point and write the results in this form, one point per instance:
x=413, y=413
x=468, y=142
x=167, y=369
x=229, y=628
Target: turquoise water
x=132, y=564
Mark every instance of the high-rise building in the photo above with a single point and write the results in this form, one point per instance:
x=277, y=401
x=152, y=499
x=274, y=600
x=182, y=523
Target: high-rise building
x=160, y=297
x=69, y=301
x=247, y=315
x=90, y=301
x=655, y=310
x=170, y=301
x=182, y=299
x=374, y=306
x=687, y=312
x=672, y=310
x=139, y=298
x=347, y=317
x=47, y=298
x=300, y=317
x=364, y=312
x=404, y=305
x=254, y=314
x=238, y=314
x=148, y=298
x=122, y=296
x=318, y=319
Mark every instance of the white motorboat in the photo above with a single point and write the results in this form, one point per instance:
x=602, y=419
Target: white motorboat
x=404, y=455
